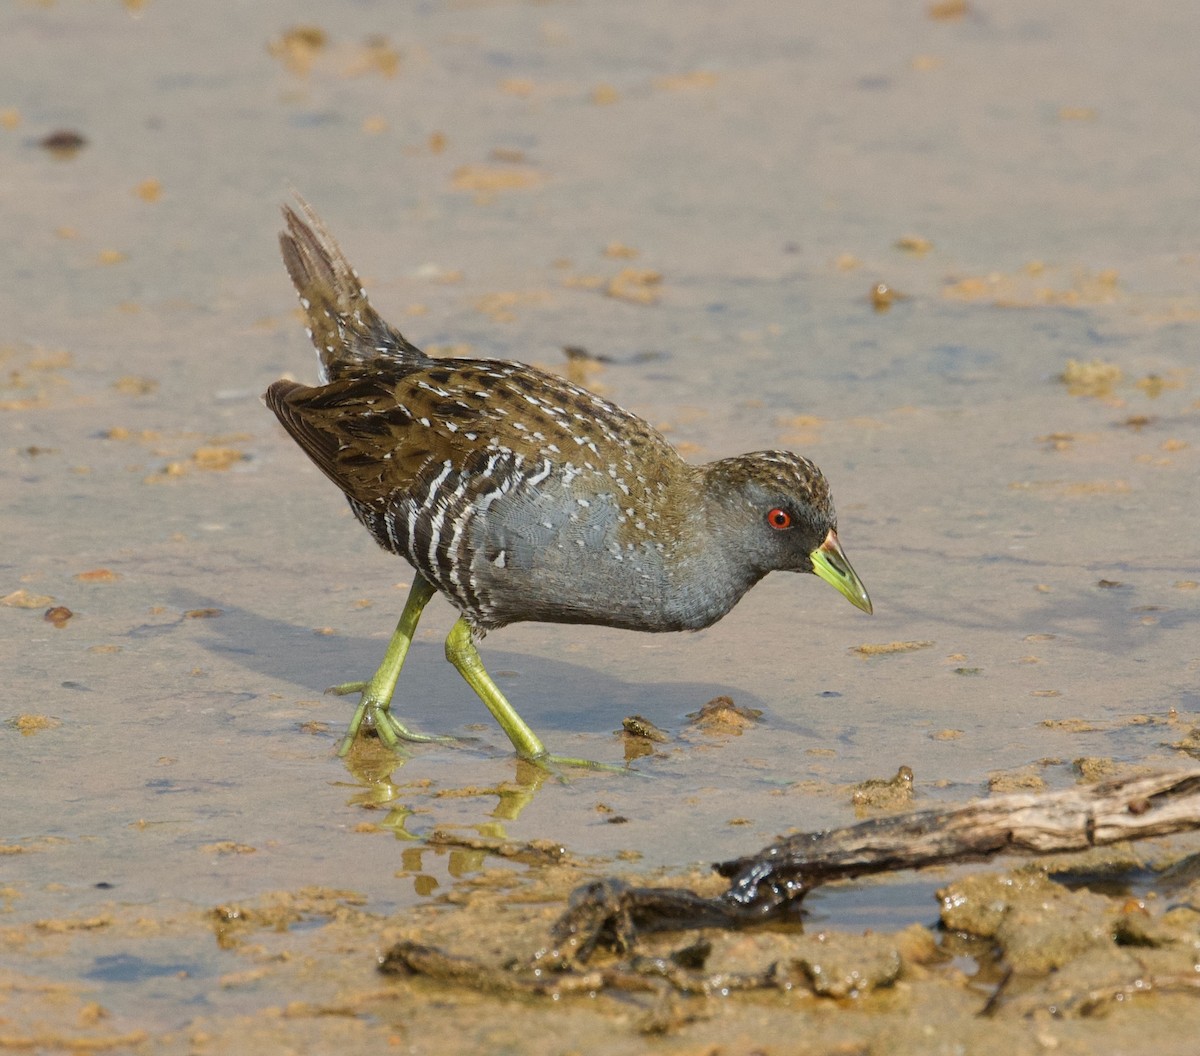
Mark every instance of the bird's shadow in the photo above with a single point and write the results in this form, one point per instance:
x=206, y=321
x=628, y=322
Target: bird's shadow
x=549, y=693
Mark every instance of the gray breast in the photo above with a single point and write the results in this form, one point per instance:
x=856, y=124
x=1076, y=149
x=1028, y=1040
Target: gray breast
x=510, y=539
x=564, y=550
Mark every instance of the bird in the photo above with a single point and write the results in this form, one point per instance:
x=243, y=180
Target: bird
x=520, y=496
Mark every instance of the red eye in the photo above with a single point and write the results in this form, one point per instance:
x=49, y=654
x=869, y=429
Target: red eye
x=779, y=519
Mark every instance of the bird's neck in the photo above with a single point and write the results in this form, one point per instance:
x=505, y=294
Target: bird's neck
x=705, y=575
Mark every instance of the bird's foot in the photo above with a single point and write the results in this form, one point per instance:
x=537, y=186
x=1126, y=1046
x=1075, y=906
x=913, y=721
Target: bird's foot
x=555, y=765
x=377, y=715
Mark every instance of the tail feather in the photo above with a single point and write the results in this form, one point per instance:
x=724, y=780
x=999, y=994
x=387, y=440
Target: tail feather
x=347, y=332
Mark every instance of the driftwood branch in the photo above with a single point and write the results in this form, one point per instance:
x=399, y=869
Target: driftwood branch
x=771, y=884
x=1134, y=808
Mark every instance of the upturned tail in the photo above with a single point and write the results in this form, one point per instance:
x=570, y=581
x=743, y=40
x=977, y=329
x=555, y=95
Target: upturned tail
x=349, y=335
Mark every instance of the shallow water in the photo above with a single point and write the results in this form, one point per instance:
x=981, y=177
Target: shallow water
x=1042, y=544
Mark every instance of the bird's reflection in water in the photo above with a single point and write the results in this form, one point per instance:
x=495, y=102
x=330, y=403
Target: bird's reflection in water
x=375, y=770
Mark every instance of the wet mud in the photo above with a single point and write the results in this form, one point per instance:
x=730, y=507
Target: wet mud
x=949, y=252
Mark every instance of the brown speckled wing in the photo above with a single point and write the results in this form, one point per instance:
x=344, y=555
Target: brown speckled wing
x=356, y=433
x=540, y=417
x=373, y=435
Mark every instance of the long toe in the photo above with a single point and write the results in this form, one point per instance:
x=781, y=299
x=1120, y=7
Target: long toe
x=555, y=765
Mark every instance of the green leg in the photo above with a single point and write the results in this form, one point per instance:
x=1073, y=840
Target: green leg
x=376, y=695
x=461, y=652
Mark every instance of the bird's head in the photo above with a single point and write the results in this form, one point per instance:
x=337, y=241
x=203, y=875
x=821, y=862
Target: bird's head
x=775, y=508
